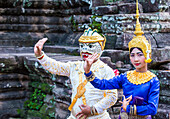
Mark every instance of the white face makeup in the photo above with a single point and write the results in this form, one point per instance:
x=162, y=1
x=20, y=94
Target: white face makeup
x=87, y=49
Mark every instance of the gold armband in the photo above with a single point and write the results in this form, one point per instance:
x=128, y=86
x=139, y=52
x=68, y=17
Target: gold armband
x=91, y=77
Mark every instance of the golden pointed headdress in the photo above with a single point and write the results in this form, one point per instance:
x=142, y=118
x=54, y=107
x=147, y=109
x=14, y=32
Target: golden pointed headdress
x=90, y=36
x=139, y=40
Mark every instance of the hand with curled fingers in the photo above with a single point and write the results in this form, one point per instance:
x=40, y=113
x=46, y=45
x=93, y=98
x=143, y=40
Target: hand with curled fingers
x=85, y=112
x=89, y=61
x=39, y=46
x=125, y=102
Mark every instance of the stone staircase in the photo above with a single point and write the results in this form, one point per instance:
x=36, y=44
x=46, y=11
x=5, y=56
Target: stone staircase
x=19, y=67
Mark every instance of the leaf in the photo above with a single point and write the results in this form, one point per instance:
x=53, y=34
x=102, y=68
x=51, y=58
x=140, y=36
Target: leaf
x=29, y=4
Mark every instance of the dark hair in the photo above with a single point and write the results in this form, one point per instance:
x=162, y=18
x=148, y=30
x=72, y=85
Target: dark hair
x=134, y=48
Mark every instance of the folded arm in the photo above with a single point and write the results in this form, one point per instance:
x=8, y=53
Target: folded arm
x=153, y=99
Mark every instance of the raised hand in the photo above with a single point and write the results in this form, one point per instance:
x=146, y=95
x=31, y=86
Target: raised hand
x=85, y=112
x=126, y=102
x=89, y=61
x=39, y=46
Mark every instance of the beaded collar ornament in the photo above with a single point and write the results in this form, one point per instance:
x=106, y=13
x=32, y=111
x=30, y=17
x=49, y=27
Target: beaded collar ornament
x=139, y=40
x=138, y=77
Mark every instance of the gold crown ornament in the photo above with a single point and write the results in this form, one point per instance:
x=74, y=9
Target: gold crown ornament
x=139, y=40
x=91, y=36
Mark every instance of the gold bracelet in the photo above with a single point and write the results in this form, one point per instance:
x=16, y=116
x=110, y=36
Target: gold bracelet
x=91, y=110
x=134, y=109
x=95, y=111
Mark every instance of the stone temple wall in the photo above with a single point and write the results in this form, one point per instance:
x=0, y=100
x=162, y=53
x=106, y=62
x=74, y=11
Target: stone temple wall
x=63, y=22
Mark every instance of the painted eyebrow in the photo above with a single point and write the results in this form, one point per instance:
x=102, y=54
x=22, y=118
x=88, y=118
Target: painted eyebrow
x=136, y=53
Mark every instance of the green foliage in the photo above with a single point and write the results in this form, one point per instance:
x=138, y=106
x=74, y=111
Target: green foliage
x=35, y=106
x=74, y=23
x=33, y=114
x=51, y=112
x=108, y=2
x=22, y=3
x=96, y=24
x=43, y=109
x=36, y=100
x=44, y=87
x=22, y=112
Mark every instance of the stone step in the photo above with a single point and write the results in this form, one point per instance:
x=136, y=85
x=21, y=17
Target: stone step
x=39, y=18
x=35, y=28
x=25, y=39
x=114, y=41
x=48, y=4
x=127, y=5
x=160, y=56
x=9, y=108
x=162, y=113
x=13, y=76
x=13, y=95
x=119, y=8
x=9, y=85
x=13, y=49
x=47, y=12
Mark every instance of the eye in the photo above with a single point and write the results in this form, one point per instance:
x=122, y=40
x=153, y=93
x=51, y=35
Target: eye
x=81, y=45
x=140, y=54
x=132, y=55
x=90, y=46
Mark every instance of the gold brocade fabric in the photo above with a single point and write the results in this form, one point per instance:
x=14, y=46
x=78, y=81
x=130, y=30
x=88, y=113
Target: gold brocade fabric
x=139, y=78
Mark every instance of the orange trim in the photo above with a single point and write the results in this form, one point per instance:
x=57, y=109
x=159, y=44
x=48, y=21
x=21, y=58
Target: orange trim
x=80, y=81
x=41, y=57
x=104, y=94
x=83, y=97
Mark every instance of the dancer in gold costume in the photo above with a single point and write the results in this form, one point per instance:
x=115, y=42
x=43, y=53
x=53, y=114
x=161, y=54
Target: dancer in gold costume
x=140, y=86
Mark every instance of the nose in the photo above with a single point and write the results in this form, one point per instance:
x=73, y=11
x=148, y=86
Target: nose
x=136, y=58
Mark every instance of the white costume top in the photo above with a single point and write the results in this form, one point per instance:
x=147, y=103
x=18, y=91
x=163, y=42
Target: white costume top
x=100, y=99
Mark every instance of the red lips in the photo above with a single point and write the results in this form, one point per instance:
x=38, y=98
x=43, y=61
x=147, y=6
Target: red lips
x=137, y=64
x=85, y=55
